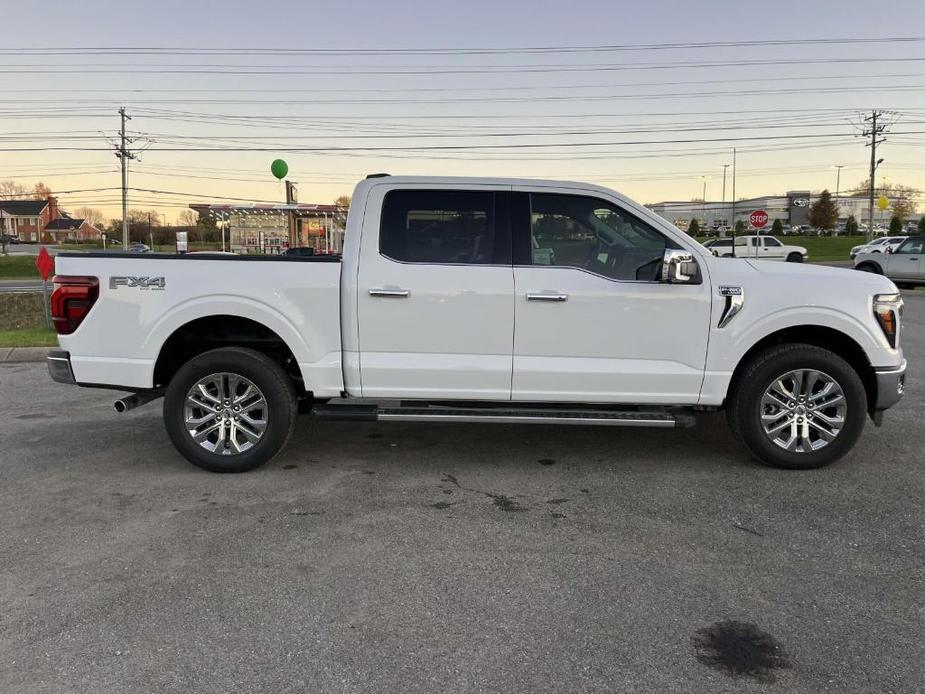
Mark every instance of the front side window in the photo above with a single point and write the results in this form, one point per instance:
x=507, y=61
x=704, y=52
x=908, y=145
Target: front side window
x=771, y=243
x=438, y=226
x=911, y=246
x=593, y=235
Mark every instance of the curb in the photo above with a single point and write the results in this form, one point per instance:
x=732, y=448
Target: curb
x=21, y=355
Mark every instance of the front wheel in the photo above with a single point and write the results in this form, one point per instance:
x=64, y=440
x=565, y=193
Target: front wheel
x=795, y=258
x=798, y=406
x=230, y=409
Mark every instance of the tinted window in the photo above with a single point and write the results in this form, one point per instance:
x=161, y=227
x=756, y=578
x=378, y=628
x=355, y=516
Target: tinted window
x=912, y=245
x=771, y=243
x=588, y=233
x=438, y=226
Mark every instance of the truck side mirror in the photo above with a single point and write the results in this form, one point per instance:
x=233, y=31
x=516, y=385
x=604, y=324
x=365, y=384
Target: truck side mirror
x=679, y=267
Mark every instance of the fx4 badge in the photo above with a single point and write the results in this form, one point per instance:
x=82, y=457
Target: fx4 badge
x=139, y=282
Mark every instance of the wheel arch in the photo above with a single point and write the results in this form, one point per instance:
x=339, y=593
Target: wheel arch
x=826, y=337
x=869, y=263
x=205, y=333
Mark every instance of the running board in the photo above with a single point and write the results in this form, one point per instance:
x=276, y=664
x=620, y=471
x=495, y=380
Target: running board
x=503, y=415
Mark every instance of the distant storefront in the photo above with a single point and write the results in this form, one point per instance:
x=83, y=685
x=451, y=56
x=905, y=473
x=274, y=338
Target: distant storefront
x=791, y=208
x=268, y=229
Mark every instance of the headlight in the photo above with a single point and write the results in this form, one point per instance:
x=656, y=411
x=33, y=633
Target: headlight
x=888, y=310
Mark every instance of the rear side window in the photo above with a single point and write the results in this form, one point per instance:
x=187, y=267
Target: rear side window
x=438, y=226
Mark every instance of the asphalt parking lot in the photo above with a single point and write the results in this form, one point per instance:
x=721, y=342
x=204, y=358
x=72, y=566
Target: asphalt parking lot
x=441, y=558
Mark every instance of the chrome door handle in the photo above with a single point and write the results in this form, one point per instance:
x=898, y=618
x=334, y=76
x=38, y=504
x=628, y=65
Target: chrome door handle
x=547, y=297
x=394, y=293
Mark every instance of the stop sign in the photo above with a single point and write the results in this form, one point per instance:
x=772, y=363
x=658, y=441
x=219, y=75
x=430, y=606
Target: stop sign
x=44, y=263
x=758, y=218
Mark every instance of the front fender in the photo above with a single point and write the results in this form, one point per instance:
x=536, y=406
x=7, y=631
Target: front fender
x=729, y=345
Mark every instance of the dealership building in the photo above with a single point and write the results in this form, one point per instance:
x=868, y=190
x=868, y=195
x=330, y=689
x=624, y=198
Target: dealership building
x=791, y=208
x=267, y=229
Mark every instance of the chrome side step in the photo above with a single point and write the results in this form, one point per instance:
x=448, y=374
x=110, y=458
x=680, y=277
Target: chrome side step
x=505, y=415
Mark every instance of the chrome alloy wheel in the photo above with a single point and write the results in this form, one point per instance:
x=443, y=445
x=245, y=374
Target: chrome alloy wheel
x=803, y=411
x=225, y=413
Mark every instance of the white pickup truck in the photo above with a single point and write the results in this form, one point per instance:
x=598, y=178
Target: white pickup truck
x=760, y=248
x=484, y=300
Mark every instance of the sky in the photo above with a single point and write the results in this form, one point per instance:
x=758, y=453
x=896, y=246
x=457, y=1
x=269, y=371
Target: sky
x=360, y=87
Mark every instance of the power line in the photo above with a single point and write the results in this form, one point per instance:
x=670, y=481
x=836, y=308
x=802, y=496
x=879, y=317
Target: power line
x=445, y=147
x=510, y=99
x=188, y=50
x=244, y=138
x=347, y=70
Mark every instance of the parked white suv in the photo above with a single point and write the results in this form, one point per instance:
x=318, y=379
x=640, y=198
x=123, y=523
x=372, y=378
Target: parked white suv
x=885, y=244
x=484, y=300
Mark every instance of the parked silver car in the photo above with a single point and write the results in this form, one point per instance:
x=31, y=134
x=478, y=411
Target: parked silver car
x=905, y=265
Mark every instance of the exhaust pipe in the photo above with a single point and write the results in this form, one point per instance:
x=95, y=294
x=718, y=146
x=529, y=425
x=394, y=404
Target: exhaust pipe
x=130, y=402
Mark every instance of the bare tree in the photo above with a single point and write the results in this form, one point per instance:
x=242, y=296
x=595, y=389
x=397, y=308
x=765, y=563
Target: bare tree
x=188, y=218
x=41, y=191
x=93, y=216
x=343, y=201
x=11, y=189
x=902, y=197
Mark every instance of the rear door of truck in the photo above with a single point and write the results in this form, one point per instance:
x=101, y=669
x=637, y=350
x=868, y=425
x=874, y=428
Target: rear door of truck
x=435, y=292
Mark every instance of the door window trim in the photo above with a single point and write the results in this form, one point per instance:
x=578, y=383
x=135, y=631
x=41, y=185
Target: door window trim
x=501, y=252
x=908, y=242
x=521, y=228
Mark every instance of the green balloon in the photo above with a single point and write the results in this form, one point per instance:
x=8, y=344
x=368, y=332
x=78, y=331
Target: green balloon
x=279, y=168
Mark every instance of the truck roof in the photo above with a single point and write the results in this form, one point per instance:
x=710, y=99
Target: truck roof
x=479, y=180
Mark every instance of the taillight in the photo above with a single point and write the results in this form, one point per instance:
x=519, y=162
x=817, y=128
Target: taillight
x=72, y=300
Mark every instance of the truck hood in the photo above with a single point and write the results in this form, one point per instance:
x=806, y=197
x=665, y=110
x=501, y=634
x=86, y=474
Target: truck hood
x=798, y=282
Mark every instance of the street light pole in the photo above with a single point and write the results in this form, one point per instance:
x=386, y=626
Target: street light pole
x=703, y=200
x=725, y=166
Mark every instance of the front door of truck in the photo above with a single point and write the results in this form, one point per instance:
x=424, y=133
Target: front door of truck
x=435, y=294
x=593, y=323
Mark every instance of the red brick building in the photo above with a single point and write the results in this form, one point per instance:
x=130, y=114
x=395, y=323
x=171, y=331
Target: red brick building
x=31, y=221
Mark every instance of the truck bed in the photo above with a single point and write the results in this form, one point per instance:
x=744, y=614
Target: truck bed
x=145, y=298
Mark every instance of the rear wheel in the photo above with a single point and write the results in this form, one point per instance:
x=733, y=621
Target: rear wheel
x=798, y=406
x=230, y=409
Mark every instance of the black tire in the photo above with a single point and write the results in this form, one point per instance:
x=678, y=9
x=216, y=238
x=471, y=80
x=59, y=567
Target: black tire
x=744, y=409
x=870, y=267
x=795, y=258
x=265, y=374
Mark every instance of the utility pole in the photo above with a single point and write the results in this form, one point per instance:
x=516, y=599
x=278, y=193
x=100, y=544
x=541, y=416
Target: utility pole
x=124, y=155
x=703, y=201
x=838, y=168
x=292, y=198
x=725, y=166
x=874, y=132
x=733, y=202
